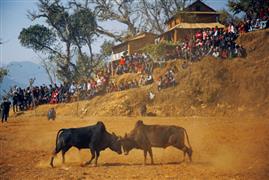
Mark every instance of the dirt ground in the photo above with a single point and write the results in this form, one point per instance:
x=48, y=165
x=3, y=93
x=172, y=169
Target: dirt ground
x=224, y=148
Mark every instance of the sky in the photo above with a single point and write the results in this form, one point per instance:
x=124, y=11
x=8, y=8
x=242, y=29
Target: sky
x=13, y=17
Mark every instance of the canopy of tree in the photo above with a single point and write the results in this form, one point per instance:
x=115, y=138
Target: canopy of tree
x=68, y=33
x=3, y=73
x=250, y=7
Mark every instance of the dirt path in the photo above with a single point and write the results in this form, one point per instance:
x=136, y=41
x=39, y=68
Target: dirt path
x=223, y=149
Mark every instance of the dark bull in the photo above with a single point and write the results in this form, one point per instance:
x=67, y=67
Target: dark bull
x=95, y=138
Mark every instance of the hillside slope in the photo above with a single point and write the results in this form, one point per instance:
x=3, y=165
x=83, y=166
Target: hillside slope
x=237, y=87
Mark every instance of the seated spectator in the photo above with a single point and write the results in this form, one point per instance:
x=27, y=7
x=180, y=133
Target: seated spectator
x=72, y=88
x=160, y=83
x=224, y=54
x=149, y=79
x=215, y=53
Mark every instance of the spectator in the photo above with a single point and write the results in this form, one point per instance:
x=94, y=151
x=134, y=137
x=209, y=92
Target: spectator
x=5, y=106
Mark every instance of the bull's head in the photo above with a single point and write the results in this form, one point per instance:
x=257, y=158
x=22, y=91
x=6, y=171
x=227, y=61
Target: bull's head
x=116, y=144
x=127, y=144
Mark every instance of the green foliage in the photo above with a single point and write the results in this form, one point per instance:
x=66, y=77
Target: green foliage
x=83, y=64
x=157, y=51
x=83, y=25
x=250, y=7
x=37, y=37
x=106, y=48
x=226, y=17
x=67, y=30
x=3, y=73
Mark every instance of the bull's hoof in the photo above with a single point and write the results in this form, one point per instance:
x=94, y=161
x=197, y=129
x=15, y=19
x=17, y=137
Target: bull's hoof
x=51, y=165
x=85, y=164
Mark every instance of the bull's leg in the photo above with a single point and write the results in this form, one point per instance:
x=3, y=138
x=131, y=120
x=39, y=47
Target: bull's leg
x=97, y=156
x=52, y=158
x=55, y=152
x=63, y=156
x=93, y=156
x=64, y=150
x=80, y=159
x=145, y=157
x=151, y=155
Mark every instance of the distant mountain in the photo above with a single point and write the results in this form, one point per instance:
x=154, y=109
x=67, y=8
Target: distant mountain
x=19, y=74
x=7, y=83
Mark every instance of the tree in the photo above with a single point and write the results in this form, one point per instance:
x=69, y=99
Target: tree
x=3, y=73
x=250, y=7
x=142, y=15
x=226, y=17
x=123, y=11
x=38, y=38
x=67, y=31
x=158, y=51
x=156, y=12
x=49, y=66
x=106, y=48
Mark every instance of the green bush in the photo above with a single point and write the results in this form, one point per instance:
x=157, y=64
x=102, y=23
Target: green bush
x=157, y=51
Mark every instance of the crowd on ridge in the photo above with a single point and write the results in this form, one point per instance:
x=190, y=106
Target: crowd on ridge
x=219, y=42
x=216, y=42
x=136, y=63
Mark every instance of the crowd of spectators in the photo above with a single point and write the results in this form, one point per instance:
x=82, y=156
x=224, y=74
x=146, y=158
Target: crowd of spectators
x=167, y=80
x=252, y=24
x=217, y=42
x=96, y=85
x=136, y=63
x=27, y=98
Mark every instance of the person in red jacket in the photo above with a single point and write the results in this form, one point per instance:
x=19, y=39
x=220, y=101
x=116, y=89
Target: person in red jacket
x=122, y=60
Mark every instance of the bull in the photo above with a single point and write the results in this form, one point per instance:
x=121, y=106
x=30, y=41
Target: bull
x=94, y=137
x=145, y=137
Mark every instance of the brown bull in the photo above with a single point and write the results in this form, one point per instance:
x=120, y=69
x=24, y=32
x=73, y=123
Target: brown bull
x=147, y=136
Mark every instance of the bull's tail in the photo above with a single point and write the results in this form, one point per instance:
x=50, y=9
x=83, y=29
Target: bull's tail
x=57, y=136
x=187, y=137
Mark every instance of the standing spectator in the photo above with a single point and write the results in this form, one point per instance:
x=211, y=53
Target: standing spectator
x=122, y=61
x=5, y=106
x=15, y=101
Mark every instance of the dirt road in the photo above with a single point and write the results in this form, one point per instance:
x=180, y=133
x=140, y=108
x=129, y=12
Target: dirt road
x=223, y=149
